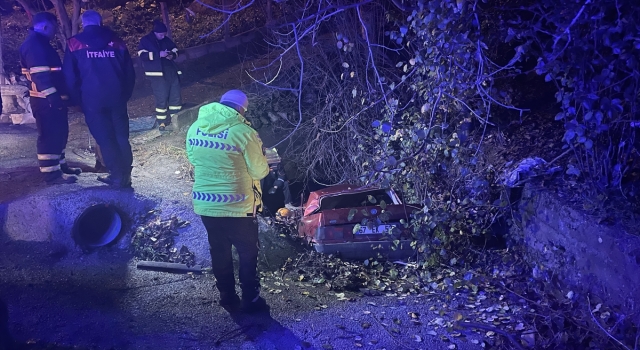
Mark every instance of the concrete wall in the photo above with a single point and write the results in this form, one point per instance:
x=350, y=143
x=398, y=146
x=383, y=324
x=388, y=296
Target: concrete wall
x=49, y=215
x=190, y=53
x=584, y=255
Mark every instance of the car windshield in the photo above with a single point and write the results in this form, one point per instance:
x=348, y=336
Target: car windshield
x=352, y=200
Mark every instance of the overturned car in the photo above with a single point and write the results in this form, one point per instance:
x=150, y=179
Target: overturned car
x=358, y=222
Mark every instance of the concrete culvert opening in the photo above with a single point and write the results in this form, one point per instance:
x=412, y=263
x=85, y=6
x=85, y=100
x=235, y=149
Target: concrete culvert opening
x=97, y=226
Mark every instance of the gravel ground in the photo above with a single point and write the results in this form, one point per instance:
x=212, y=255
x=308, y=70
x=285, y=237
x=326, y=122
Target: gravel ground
x=59, y=297
x=103, y=302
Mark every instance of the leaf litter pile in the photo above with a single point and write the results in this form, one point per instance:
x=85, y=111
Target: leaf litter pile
x=154, y=240
x=495, y=297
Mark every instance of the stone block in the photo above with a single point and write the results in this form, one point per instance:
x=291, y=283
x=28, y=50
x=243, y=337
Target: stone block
x=22, y=118
x=587, y=257
x=49, y=215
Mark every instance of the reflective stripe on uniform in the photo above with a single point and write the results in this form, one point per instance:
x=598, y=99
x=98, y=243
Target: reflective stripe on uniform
x=214, y=145
x=179, y=72
x=174, y=109
x=221, y=198
x=33, y=70
x=153, y=74
x=25, y=72
x=141, y=52
x=48, y=156
x=44, y=93
x=161, y=116
x=49, y=169
x=160, y=110
x=41, y=69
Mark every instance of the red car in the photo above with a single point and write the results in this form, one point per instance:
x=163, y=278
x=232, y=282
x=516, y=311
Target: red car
x=357, y=223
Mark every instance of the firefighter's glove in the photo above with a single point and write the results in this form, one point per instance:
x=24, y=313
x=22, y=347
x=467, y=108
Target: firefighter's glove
x=56, y=102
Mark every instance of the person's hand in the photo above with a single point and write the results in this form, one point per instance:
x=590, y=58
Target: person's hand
x=56, y=102
x=164, y=53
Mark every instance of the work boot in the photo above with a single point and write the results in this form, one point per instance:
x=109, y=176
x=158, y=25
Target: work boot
x=162, y=126
x=100, y=168
x=255, y=305
x=126, y=181
x=109, y=180
x=59, y=178
x=105, y=178
x=66, y=169
x=229, y=301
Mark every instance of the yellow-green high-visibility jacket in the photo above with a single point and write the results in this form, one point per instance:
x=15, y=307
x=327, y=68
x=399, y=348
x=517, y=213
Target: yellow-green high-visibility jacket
x=229, y=163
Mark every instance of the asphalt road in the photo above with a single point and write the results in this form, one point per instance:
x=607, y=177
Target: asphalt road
x=58, y=297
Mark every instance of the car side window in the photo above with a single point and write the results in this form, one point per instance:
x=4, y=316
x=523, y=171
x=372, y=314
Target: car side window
x=351, y=200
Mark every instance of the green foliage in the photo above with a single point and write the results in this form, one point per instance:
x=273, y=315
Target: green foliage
x=409, y=110
x=445, y=84
x=414, y=109
x=590, y=51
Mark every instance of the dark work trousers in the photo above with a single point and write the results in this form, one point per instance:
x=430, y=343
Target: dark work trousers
x=53, y=132
x=110, y=127
x=166, y=90
x=241, y=232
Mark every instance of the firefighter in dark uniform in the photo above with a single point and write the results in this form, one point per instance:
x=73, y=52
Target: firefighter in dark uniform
x=43, y=68
x=158, y=52
x=100, y=75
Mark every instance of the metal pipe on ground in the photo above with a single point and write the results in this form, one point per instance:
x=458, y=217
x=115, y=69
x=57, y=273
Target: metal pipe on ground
x=97, y=226
x=168, y=267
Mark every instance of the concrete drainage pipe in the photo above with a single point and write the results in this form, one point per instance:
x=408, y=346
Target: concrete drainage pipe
x=97, y=226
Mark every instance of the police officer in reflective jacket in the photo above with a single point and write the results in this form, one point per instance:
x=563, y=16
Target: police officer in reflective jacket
x=43, y=68
x=100, y=75
x=158, y=52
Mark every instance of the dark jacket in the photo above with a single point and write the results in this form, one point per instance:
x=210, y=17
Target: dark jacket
x=149, y=52
x=98, y=68
x=42, y=67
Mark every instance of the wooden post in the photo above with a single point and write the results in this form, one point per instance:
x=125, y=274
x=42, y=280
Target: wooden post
x=165, y=17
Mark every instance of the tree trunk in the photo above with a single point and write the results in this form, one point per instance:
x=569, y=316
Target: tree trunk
x=269, y=19
x=226, y=6
x=75, y=19
x=2, y=80
x=63, y=17
x=165, y=17
x=27, y=9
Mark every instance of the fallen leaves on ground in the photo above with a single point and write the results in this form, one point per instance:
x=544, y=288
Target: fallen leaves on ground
x=493, y=301
x=153, y=240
